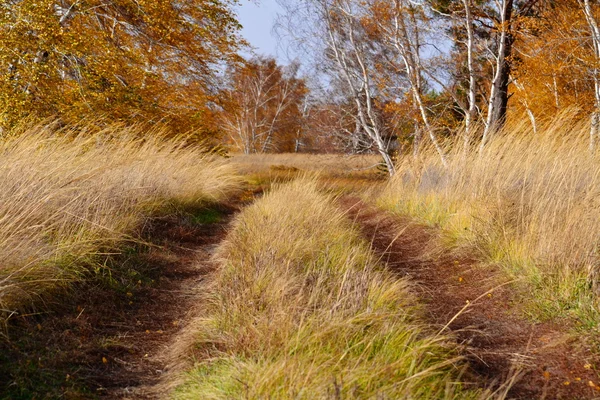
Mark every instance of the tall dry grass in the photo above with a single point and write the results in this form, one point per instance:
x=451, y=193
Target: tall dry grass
x=331, y=163
x=528, y=202
x=68, y=194
x=301, y=309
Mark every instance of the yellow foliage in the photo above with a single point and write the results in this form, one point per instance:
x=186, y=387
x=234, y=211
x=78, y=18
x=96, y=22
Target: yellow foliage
x=129, y=60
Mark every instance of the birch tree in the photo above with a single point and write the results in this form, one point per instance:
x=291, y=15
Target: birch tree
x=592, y=21
x=344, y=53
x=397, y=24
x=263, y=106
x=471, y=114
x=505, y=16
x=348, y=46
x=498, y=99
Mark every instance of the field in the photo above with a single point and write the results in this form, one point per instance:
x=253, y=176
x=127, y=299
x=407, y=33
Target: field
x=297, y=276
x=332, y=164
x=402, y=203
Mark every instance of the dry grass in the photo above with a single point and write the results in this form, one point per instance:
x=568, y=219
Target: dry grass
x=337, y=172
x=69, y=195
x=528, y=202
x=332, y=163
x=301, y=309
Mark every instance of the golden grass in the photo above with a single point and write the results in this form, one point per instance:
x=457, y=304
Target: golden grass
x=301, y=309
x=332, y=163
x=337, y=172
x=528, y=202
x=68, y=195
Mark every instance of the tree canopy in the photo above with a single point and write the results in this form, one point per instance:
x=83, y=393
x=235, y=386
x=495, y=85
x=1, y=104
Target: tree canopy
x=132, y=60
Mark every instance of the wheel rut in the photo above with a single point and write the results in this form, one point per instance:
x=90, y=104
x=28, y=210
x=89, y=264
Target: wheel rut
x=186, y=256
x=473, y=304
x=112, y=339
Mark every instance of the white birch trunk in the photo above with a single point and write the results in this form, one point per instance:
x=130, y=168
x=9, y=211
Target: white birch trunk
x=595, y=31
x=491, y=123
x=525, y=103
x=409, y=53
x=365, y=114
x=471, y=114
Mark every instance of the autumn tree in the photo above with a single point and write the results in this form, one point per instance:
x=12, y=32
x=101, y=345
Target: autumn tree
x=557, y=63
x=134, y=60
x=332, y=32
x=424, y=65
x=400, y=26
x=484, y=34
x=263, y=106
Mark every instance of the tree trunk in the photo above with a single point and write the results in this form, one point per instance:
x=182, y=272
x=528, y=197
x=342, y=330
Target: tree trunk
x=361, y=91
x=525, y=103
x=595, y=31
x=409, y=53
x=499, y=91
x=471, y=114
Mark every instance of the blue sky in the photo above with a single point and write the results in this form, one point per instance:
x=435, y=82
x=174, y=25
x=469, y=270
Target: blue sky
x=258, y=18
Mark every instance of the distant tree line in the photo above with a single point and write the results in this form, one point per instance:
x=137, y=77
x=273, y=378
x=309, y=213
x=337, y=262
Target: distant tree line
x=386, y=76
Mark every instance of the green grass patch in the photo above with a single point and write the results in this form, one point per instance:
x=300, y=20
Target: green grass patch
x=207, y=216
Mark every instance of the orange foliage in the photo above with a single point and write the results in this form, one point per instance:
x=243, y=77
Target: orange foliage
x=130, y=60
x=554, y=62
x=262, y=109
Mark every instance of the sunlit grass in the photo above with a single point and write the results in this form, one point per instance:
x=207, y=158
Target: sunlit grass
x=69, y=194
x=527, y=202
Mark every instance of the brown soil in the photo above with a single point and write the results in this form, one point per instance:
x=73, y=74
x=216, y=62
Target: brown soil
x=111, y=340
x=554, y=363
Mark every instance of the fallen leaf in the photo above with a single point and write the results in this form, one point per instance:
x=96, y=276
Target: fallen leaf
x=104, y=360
x=546, y=375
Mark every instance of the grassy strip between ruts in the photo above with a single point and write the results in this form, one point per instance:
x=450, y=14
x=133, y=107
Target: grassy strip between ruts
x=71, y=195
x=300, y=308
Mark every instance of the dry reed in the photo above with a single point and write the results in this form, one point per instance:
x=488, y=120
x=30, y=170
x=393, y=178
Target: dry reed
x=301, y=309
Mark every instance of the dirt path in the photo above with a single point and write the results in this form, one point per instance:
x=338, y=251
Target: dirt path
x=554, y=365
x=185, y=259
x=111, y=340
